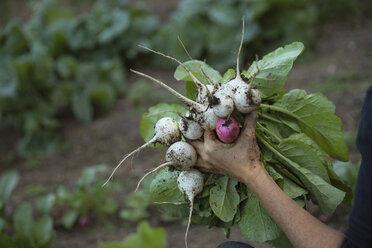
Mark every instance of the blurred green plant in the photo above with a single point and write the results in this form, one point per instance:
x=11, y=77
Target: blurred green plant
x=137, y=204
x=146, y=237
x=60, y=64
x=20, y=229
x=213, y=28
x=8, y=182
x=29, y=232
x=57, y=64
x=83, y=203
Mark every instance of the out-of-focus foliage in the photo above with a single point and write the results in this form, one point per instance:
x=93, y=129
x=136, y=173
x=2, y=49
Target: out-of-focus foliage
x=86, y=201
x=19, y=228
x=146, y=237
x=60, y=64
x=29, y=232
x=212, y=29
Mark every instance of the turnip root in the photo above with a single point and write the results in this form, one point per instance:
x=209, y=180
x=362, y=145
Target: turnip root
x=166, y=133
x=227, y=129
x=200, y=86
x=180, y=155
x=190, y=184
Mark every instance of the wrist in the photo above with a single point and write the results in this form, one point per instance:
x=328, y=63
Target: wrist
x=253, y=174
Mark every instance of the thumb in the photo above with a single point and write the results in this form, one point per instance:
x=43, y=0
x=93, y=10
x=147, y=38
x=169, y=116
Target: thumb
x=249, y=127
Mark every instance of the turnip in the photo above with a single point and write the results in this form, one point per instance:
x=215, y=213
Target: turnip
x=207, y=119
x=190, y=184
x=189, y=128
x=180, y=156
x=245, y=97
x=227, y=129
x=225, y=105
x=201, y=113
x=166, y=133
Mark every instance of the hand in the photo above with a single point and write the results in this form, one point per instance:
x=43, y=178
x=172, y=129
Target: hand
x=240, y=160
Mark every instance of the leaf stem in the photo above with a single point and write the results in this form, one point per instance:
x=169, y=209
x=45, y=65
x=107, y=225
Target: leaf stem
x=277, y=153
x=281, y=110
x=264, y=129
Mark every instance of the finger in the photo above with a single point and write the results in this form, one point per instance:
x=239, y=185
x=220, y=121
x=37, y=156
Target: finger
x=210, y=139
x=204, y=166
x=250, y=122
x=198, y=145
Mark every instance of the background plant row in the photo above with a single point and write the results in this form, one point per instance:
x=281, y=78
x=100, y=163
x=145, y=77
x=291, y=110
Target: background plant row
x=59, y=64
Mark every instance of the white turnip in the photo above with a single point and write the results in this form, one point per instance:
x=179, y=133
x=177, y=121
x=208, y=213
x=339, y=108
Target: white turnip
x=180, y=156
x=190, y=184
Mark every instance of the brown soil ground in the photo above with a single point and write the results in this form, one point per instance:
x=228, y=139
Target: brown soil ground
x=343, y=52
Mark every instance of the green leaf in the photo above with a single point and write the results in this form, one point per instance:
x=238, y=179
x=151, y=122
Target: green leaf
x=222, y=13
x=23, y=225
x=277, y=177
x=137, y=204
x=163, y=187
x=82, y=107
x=110, y=206
x=343, y=176
x=255, y=224
x=67, y=66
x=229, y=74
x=274, y=68
x=112, y=245
x=326, y=196
x=3, y=223
x=191, y=90
x=282, y=241
x=118, y=21
x=315, y=115
x=69, y=218
x=43, y=232
x=8, y=181
x=224, y=199
x=197, y=67
x=292, y=189
x=102, y=96
x=148, y=123
x=146, y=237
x=164, y=191
x=6, y=241
x=8, y=79
x=89, y=175
x=45, y=203
x=298, y=151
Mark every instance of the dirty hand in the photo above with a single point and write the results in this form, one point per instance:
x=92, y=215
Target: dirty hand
x=240, y=160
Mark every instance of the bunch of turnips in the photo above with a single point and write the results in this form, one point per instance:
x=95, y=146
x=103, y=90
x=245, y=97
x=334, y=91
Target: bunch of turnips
x=296, y=133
